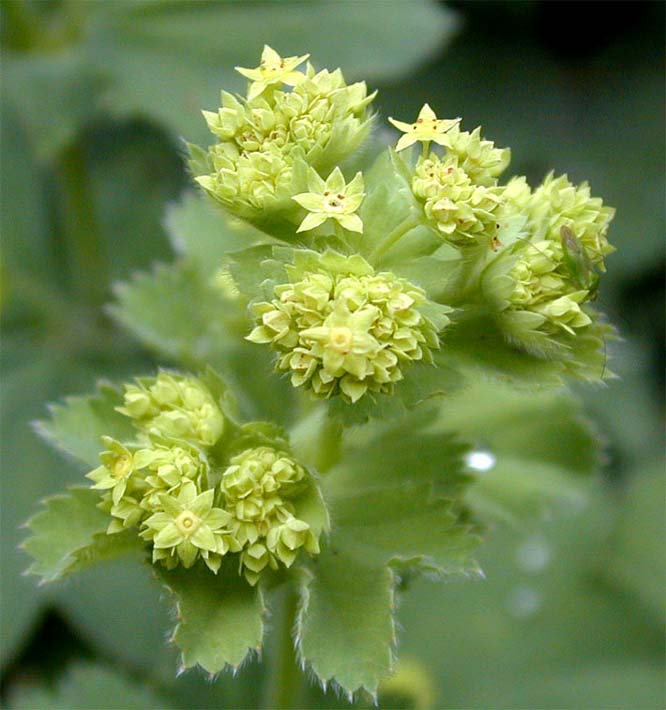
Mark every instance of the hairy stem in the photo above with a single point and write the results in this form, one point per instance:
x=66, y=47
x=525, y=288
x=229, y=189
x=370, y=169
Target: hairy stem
x=329, y=450
x=284, y=683
x=393, y=238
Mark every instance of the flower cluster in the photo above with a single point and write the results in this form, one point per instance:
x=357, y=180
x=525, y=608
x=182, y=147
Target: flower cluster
x=341, y=328
x=265, y=141
x=191, y=499
x=458, y=190
x=557, y=271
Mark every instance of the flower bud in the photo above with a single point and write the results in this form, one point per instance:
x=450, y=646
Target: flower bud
x=174, y=407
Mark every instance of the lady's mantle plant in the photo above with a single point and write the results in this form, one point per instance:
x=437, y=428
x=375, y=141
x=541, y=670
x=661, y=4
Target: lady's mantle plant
x=388, y=298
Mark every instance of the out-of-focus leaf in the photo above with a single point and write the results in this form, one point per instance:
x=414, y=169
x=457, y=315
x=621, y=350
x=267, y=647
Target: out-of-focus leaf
x=77, y=426
x=118, y=608
x=55, y=94
x=85, y=687
x=169, y=60
x=25, y=247
x=202, y=232
x=70, y=534
x=220, y=617
x=346, y=631
x=531, y=451
x=543, y=611
x=176, y=313
x=637, y=555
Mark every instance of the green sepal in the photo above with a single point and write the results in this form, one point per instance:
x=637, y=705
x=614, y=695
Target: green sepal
x=220, y=617
x=70, y=534
x=77, y=426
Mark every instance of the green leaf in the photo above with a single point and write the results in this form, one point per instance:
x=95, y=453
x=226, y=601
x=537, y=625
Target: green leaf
x=85, y=687
x=71, y=534
x=202, y=232
x=636, y=559
x=220, y=617
x=402, y=525
x=141, y=43
x=345, y=629
x=175, y=311
x=538, y=447
x=77, y=426
x=394, y=455
x=55, y=93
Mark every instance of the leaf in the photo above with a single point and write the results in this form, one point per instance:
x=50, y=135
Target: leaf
x=141, y=43
x=71, y=534
x=174, y=311
x=55, y=93
x=220, y=617
x=398, y=454
x=84, y=687
x=402, y=525
x=537, y=449
x=636, y=557
x=345, y=629
x=203, y=233
x=77, y=426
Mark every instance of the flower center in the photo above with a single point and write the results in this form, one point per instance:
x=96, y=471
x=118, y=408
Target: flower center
x=188, y=522
x=334, y=203
x=122, y=466
x=341, y=339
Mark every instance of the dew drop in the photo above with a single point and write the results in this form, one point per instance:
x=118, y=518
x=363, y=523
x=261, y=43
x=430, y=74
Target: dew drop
x=480, y=460
x=523, y=602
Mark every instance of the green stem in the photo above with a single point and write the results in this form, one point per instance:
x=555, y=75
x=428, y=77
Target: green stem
x=398, y=233
x=88, y=266
x=284, y=684
x=329, y=450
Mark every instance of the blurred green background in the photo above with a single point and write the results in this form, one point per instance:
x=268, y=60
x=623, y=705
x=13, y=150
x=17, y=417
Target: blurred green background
x=95, y=99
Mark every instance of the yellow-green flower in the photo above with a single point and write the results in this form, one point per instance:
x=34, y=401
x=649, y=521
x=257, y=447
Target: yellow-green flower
x=273, y=69
x=175, y=407
x=341, y=328
x=118, y=466
x=332, y=199
x=426, y=128
x=188, y=526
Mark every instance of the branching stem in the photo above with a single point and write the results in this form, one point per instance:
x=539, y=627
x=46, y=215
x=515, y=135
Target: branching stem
x=398, y=233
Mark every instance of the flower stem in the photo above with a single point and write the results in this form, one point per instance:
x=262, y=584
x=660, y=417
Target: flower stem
x=329, y=450
x=284, y=683
x=398, y=233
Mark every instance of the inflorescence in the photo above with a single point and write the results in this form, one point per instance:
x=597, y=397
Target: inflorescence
x=190, y=496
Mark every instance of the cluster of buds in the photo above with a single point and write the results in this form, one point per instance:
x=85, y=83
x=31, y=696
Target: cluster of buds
x=341, y=328
x=188, y=499
x=458, y=190
x=557, y=271
x=258, y=488
x=266, y=140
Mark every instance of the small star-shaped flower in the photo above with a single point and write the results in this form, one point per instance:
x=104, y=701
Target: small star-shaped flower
x=426, y=128
x=273, y=69
x=332, y=199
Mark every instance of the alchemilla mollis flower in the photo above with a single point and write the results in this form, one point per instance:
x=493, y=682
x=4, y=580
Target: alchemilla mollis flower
x=187, y=525
x=341, y=328
x=261, y=490
x=267, y=140
x=272, y=70
x=332, y=199
x=425, y=129
x=462, y=212
x=174, y=406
